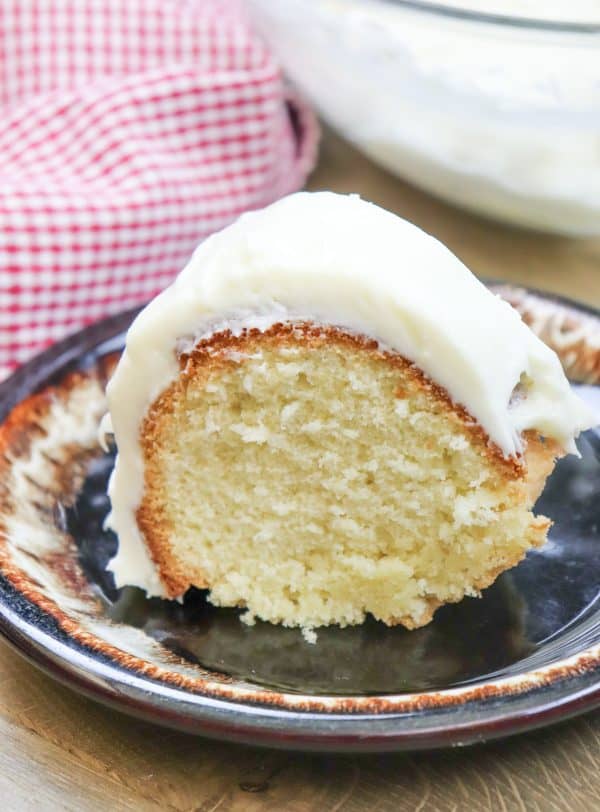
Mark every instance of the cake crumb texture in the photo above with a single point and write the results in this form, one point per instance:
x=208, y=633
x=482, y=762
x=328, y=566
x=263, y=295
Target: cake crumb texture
x=308, y=476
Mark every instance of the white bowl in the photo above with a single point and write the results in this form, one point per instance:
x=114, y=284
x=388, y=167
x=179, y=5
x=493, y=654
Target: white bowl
x=498, y=114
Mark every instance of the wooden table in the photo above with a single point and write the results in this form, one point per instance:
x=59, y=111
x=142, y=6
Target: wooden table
x=59, y=751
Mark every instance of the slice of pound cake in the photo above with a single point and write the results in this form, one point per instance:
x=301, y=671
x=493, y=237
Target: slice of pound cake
x=327, y=415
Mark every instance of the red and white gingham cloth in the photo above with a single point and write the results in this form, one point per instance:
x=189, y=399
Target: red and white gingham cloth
x=129, y=130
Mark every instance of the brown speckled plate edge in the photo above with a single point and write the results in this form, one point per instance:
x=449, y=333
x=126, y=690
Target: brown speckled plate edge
x=430, y=719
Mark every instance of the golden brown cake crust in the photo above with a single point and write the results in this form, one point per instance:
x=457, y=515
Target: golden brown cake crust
x=218, y=352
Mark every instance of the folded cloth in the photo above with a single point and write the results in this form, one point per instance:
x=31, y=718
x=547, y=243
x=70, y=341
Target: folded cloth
x=129, y=130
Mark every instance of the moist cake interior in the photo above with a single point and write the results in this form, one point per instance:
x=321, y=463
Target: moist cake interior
x=309, y=476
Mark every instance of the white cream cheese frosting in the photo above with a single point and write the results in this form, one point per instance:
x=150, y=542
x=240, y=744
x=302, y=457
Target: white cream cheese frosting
x=337, y=260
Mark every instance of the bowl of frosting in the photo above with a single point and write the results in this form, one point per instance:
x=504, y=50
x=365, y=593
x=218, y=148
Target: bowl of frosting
x=493, y=105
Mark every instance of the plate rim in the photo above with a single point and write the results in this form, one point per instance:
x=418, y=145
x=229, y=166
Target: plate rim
x=253, y=724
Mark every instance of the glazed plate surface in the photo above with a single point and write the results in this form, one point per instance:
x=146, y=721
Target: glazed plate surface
x=526, y=654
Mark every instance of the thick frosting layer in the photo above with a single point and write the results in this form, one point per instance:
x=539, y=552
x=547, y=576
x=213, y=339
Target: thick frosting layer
x=338, y=260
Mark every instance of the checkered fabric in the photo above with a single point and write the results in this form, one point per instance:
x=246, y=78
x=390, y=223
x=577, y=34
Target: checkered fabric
x=129, y=130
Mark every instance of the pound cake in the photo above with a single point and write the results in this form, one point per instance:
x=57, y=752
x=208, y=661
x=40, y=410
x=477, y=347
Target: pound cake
x=326, y=415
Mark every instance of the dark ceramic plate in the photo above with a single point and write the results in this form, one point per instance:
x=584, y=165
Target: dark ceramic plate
x=527, y=653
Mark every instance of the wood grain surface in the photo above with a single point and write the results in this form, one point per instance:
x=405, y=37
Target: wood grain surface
x=59, y=751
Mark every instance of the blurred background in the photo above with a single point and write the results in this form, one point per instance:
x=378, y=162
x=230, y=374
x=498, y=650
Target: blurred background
x=475, y=101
